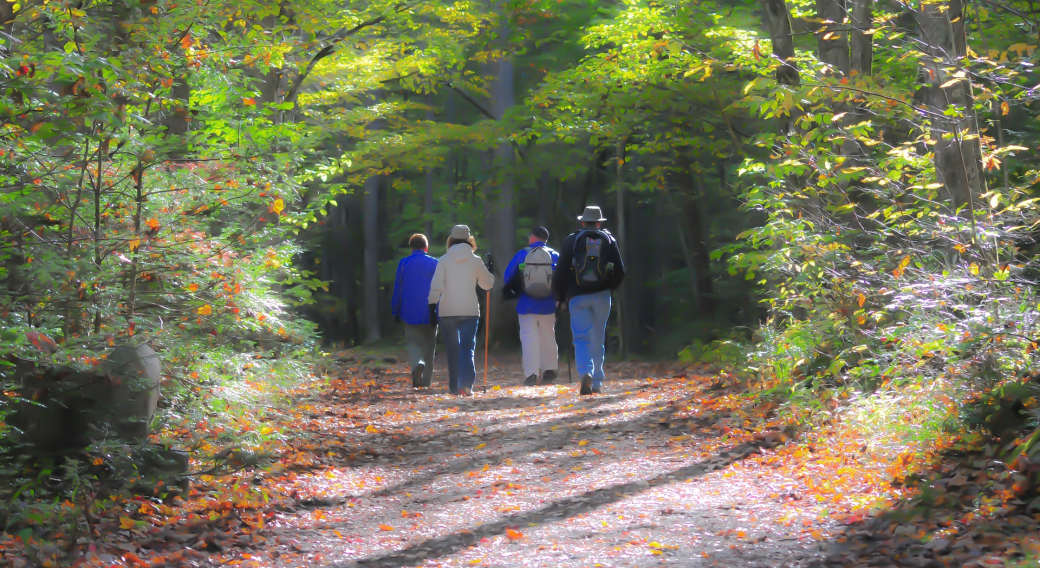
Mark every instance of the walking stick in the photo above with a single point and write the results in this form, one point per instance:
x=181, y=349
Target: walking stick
x=487, y=331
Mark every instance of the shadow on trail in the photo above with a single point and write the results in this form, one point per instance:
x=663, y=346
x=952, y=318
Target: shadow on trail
x=553, y=512
x=539, y=437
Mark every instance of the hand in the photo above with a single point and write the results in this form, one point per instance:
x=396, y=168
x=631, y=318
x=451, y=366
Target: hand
x=560, y=306
x=433, y=314
x=489, y=262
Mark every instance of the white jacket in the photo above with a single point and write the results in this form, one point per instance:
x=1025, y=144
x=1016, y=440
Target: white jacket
x=455, y=282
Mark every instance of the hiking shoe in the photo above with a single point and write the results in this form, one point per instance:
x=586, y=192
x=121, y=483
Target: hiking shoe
x=548, y=377
x=466, y=392
x=531, y=381
x=597, y=390
x=586, y=384
x=417, y=375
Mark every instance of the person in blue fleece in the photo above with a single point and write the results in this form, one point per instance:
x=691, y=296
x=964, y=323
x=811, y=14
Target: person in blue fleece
x=409, y=304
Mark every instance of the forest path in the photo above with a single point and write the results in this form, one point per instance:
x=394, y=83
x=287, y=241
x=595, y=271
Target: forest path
x=645, y=474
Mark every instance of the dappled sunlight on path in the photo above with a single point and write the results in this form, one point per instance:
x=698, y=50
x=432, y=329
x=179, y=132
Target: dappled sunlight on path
x=640, y=475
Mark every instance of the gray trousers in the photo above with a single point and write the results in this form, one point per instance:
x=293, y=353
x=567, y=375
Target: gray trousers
x=422, y=346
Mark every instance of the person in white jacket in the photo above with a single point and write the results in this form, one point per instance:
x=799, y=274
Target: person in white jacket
x=453, y=298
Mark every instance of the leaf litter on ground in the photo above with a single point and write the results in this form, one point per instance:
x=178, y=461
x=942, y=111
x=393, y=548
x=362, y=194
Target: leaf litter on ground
x=671, y=467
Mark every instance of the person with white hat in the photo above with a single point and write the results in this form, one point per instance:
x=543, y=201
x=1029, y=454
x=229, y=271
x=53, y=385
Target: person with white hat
x=590, y=266
x=453, y=300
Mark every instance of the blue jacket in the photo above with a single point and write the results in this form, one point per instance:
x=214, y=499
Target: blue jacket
x=412, y=288
x=527, y=304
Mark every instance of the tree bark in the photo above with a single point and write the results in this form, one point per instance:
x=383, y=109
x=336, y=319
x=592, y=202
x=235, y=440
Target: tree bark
x=428, y=202
x=958, y=154
x=778, y=20
x=699, y=251
x=832, y=39
x=371, y=223
x=501, y=218
x=619, y=294
x=862, y=44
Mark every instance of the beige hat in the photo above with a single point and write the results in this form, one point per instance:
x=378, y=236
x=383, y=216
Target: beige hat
x=592, y=214
x=460, y=232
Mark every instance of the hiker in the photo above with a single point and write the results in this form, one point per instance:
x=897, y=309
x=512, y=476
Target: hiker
x=453, y=300
x=408, y=304
x=529, y=275
x=590, y=267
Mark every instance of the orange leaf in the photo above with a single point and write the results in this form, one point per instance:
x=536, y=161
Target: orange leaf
x=386, y=528
x=206, y=310
x=249, y=101
x=126, y=523
x=186, y=42
x=193, y=287
x=514, y=535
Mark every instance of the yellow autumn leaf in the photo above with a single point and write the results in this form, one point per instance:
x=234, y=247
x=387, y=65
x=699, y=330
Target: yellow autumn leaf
x=134, y=244
x=206, y=310
x=480, y=446
x=862, y=300
x=583, y=442
x=974, y=269
x=126, y=523
x=372, y=429
x=278, y=206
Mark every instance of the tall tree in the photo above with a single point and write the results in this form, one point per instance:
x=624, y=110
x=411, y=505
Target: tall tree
x=947, y=95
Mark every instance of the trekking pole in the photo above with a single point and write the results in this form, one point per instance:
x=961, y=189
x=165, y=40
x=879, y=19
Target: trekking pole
x=487, y=332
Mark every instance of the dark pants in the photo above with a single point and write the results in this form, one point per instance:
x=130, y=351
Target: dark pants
x=460, y=337
x=422, y=346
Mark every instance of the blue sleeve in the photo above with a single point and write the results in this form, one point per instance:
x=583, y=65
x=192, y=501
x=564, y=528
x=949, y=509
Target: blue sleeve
x=555, y=258
x=514, y=266
x=396, y=299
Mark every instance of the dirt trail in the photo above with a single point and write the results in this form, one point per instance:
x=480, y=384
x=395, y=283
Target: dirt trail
x=641, y=475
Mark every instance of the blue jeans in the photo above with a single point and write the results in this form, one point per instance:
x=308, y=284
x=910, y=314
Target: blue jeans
x=589, y=314
x=460, y=336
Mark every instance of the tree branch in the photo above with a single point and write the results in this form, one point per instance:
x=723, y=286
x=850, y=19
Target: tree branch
x=338, y=37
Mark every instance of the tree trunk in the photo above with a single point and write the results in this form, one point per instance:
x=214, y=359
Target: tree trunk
x=699, y=250
x=619, y=295
x=501, y=218
x=862, y=44
x=371, y=222
x=428, y=203
x=832, y=39
x=778, y=20
x=958, y=162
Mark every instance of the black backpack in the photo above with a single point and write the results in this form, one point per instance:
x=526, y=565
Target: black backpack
x=591, y=268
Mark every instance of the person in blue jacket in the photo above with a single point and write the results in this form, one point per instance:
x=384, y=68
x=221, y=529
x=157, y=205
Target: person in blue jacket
x=537, y=315
x=409, y=304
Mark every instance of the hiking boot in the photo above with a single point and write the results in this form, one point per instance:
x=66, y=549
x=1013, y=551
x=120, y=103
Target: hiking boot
x=467, y=392
x=586, y=384
x=597, y=390
x=417, y=375
x=548, y=377
x=531, y=381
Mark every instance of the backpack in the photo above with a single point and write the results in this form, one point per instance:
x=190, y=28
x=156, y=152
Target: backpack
x=591, y=269
x=538, y=273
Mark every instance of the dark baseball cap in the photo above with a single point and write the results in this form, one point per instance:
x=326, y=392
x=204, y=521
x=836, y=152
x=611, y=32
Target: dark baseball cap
x=541, y=233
